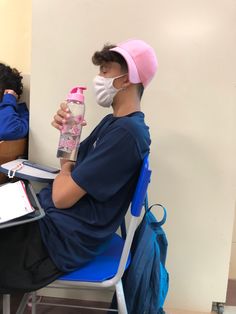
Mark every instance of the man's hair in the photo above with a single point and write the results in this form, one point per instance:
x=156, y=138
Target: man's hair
x=106, y=55
x=10, y=78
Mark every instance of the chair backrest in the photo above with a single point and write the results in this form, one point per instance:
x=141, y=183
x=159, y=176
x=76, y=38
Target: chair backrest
x=141, y=188
x=137, y=204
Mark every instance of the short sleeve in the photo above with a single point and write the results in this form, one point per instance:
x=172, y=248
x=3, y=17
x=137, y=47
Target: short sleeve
x=112, y=162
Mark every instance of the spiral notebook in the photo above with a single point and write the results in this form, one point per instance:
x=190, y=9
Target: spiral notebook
x=14, y=201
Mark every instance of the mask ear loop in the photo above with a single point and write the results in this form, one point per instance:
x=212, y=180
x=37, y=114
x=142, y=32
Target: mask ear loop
x=122, y=88
x=11, y=172
x=117, y=77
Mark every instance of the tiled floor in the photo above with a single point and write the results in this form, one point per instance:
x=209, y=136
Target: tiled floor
x=61, y=310
x=227, y=310
x=230, y=307
x=44, y=309
x=231, y=293
x=230, y=310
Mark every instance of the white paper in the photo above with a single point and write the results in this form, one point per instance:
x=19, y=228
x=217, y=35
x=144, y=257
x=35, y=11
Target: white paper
x=14, y=201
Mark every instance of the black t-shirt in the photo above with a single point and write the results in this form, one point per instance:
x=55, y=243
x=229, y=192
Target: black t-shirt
x=107, y=168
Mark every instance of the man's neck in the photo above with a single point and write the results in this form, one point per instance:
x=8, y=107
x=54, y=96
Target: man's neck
x=126, y=102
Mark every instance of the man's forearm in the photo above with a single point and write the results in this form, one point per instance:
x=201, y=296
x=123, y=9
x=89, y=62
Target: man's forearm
x=66, y=192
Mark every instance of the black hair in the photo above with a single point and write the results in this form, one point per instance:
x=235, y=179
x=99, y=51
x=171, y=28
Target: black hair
x=106, y=55
x=10, y=78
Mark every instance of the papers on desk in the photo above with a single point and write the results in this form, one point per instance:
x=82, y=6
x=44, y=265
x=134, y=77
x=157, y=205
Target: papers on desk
x=14, y=201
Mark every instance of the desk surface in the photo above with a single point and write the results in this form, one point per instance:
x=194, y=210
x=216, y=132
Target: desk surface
x=27, y=172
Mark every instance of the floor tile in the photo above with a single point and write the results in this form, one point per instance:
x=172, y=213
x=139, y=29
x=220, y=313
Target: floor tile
x=176, y=311
x=230, y=310
x=15, y=300
x=231, y=293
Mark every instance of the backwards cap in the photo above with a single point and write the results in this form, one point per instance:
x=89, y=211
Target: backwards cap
x=140, y=58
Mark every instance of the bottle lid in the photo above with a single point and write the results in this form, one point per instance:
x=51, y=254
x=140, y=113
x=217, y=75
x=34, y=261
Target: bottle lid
x=76, y=94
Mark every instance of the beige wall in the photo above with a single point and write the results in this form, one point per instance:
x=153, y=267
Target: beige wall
x=190, y=107
x=15, y=34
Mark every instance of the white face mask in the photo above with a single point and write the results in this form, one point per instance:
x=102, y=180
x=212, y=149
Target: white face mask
x=104, y=90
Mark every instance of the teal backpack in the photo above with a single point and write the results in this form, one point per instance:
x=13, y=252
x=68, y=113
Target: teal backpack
x=146, y=281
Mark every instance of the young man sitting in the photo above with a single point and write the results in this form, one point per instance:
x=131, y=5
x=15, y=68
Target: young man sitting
x=89, y=198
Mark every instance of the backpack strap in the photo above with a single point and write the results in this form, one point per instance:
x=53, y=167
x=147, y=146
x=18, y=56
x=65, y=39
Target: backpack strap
x=148, y=209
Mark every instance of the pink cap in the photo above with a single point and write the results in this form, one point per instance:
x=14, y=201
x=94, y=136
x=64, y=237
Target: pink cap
x=76, y=94
x=141, y=60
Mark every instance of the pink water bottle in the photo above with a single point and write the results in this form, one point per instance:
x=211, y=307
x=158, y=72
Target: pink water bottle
x=70, y=134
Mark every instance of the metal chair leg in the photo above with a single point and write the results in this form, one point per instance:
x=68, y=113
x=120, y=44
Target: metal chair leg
x=122, y=309
x=6, y=304
x=34, y=299
x=23, y=304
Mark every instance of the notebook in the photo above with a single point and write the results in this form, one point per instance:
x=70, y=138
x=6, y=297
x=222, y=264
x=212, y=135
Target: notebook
x=14, y=201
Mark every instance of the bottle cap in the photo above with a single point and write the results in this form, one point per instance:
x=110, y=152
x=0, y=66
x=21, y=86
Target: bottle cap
x=76, y=94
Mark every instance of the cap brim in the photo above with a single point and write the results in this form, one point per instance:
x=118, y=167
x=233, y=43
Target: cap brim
x=132, y=70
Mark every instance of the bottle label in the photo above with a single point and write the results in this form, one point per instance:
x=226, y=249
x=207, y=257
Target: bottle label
x=79, y=119
x=74, y=129
x=67, y=144
x=70, y=134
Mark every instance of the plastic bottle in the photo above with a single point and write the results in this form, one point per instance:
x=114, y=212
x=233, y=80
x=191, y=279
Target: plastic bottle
x=70, y=134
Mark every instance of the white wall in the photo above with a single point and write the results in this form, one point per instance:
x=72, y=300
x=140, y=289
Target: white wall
x=190, y=107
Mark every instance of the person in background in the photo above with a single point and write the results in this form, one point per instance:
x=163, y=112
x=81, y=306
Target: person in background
x=14, y=116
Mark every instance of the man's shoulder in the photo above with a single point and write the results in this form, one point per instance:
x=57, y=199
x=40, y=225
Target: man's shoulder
x=133, y=123
x=132, y=126
x=106, y=118
x=135, y=127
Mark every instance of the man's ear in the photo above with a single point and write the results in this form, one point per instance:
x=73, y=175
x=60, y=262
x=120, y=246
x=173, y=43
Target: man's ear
x=125, y=81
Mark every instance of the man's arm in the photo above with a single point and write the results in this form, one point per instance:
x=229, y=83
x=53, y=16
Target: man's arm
x=65, y=192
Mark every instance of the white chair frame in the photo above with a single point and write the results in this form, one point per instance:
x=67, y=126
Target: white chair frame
x=116, y=281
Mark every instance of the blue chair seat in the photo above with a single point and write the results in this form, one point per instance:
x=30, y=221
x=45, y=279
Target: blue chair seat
x=103, y=266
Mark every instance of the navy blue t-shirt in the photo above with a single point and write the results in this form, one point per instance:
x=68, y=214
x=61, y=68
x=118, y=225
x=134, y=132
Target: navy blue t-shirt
x=107, y=168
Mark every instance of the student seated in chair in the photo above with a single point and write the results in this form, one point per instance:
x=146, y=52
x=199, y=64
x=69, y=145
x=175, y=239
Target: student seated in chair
x=89, y=198
x=14, y=116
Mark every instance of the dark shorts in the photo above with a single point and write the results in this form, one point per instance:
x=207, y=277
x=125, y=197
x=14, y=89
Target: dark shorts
x=24, y=261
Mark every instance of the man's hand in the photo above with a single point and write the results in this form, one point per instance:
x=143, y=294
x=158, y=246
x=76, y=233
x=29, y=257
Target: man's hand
x=62, y=116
